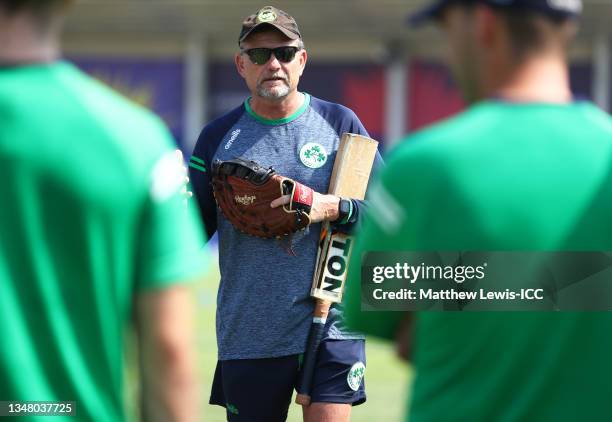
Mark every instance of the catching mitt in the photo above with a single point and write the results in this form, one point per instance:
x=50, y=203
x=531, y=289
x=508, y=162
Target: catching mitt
x=243, y=191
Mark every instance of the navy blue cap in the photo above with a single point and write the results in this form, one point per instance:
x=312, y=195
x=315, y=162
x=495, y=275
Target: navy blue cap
x=555, y=8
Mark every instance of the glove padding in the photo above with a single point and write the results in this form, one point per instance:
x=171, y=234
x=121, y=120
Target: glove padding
x=243, y=191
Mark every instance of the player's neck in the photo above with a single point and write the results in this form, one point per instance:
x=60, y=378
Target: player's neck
x=542, y=80
x=20, y=43
x=275, y=110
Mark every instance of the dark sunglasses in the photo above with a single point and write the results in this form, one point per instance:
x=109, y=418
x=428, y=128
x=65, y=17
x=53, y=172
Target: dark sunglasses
x=262, y=55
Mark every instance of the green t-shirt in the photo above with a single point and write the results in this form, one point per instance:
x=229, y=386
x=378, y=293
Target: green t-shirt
x=501, y=176
x=90, y=213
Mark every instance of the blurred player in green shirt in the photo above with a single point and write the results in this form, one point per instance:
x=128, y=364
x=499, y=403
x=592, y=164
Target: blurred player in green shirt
x=93, y=232
x=525, y=168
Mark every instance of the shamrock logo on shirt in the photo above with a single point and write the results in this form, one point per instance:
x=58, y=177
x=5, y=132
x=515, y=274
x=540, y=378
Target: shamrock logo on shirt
x=313, y=155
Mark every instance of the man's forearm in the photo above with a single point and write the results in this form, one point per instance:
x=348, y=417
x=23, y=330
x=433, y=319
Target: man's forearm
x=170, y=388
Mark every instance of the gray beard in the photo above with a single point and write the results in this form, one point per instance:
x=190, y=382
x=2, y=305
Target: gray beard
x=273, y=93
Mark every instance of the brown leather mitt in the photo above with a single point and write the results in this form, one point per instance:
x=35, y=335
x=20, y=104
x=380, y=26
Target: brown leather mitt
x=243, y=191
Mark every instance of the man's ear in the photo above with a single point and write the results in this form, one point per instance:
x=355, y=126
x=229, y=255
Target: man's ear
x=486, y=27
x=239, y=61
x=303, y=58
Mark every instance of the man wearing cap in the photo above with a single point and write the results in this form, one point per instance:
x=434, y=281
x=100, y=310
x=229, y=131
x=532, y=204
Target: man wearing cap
x=264, y=310
x=525, y=168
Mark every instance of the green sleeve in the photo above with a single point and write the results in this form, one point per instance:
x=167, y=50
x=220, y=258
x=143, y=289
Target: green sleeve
x=171, y=239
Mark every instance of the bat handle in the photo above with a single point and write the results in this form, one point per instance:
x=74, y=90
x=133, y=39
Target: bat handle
x=315, y=336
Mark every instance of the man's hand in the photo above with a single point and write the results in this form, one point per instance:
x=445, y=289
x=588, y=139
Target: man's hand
x=324, y=207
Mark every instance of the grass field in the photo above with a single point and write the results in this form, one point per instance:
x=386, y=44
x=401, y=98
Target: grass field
x=386, y=377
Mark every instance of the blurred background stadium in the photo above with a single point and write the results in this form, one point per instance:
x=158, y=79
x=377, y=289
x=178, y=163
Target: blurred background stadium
x=176, y=58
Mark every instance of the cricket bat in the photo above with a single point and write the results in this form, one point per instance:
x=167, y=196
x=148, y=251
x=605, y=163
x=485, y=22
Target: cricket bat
x=349, y=179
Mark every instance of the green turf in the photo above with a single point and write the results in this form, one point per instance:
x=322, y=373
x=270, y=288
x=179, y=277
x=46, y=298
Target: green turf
x=386, y=377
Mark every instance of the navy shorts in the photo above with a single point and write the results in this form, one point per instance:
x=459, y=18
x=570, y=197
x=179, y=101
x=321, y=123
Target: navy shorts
x=261, y=389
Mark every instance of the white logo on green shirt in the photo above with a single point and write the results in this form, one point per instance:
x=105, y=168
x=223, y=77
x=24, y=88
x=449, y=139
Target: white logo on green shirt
x=167, y=176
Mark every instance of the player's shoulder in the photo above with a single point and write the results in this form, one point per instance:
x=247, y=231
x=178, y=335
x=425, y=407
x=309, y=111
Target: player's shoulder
x=225, y=121
x=124, y=128
x=437, y=138
x=432, y=152
x=126, y=124
x=459, y=126
x=94, y=92
x=342, y=119
x=213, y=133
x=599, y=120
x=331, y=110
x=490, y=117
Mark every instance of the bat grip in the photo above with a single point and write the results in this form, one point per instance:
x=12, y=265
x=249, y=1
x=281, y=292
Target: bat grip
x=317, y=329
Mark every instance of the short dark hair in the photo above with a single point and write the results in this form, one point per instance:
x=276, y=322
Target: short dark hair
x=43, y=13
x=37, y=6
x=530, y=32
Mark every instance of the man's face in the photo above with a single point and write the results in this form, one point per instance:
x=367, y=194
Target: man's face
x=458, y=23
x=273, y=80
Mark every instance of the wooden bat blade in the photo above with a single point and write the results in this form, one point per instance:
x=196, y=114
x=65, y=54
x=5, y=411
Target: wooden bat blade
x=349, y=179
x=352, y=166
